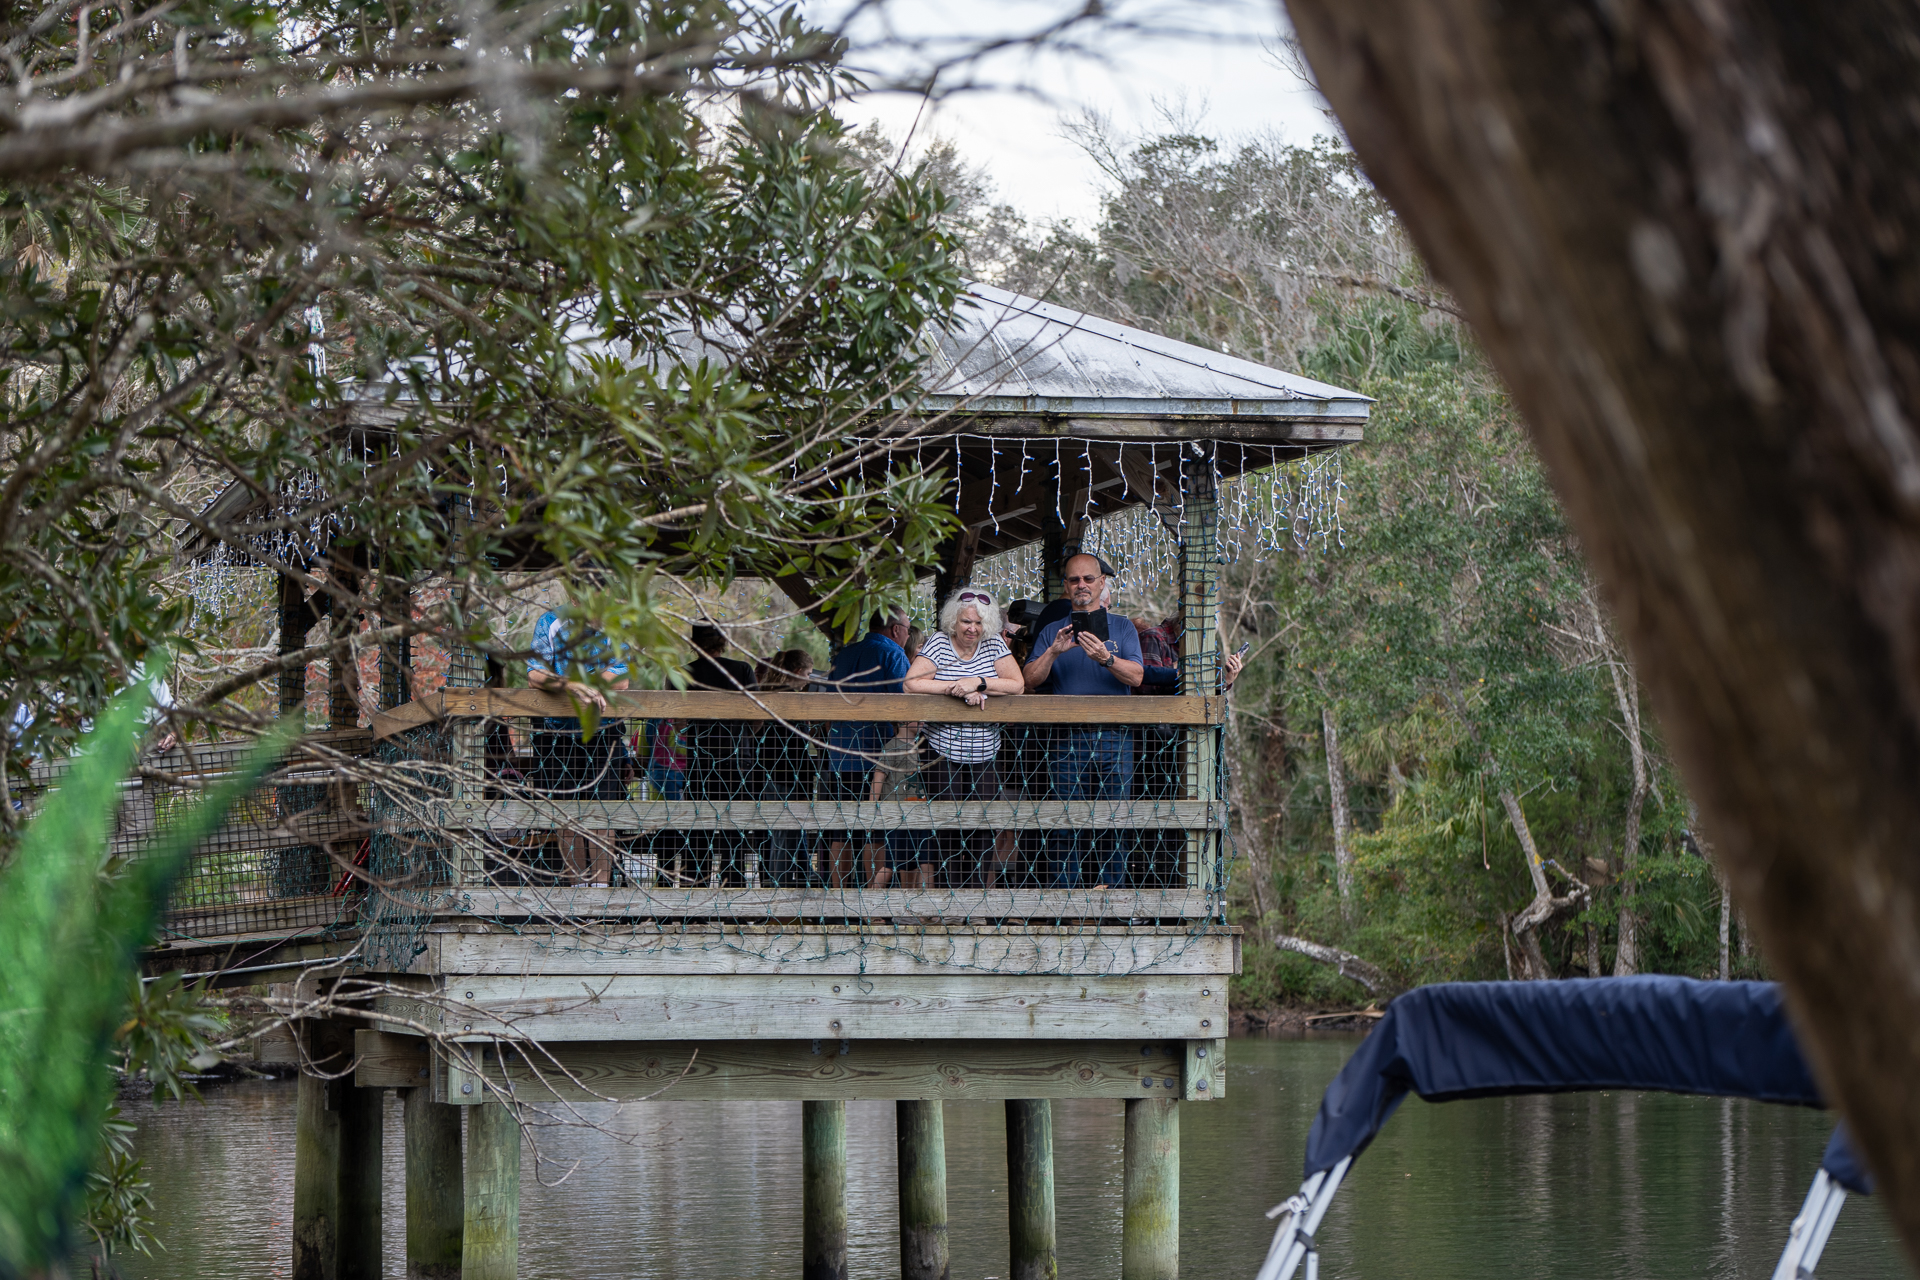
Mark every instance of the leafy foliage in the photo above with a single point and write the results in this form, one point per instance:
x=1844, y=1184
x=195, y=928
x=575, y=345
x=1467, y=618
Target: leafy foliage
x=72, y=922
x=586, y=290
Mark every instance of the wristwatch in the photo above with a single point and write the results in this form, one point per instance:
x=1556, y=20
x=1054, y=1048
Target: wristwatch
x=1108, y=663
x=983, y=685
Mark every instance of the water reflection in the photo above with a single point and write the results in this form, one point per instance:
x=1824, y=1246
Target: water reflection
x=1582, y=1185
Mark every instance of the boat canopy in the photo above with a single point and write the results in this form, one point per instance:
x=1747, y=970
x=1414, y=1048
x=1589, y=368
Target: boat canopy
x=1487, y=1039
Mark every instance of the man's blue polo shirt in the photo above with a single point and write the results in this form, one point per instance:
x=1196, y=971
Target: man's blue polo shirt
x=1077, y=675
x=873, y=665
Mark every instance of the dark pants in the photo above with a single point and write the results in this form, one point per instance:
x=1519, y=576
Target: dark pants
x=1091, y=764
x=957, y=780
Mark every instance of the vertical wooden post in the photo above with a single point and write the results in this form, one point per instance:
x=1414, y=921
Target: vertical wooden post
x=363, y=1116
x=823, y=1199
x=1150, y=1227
x=490, y=1244
x=1030, y=1230
x=316, y=1182
x=297, y=616
x=343, y=674
x=921, y=1135
x=435, y=1187
x=1200, y=643
x=396, y=656
x=957, y=556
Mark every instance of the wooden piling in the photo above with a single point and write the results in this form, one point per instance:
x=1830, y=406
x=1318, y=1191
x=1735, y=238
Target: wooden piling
x=362, y=1112
x=921, y=1134
x=1150, y=1228
x=490, y=1243
x=316, y=1182
x=435, y=1187
x=823, y=1159
x=1030, y=1230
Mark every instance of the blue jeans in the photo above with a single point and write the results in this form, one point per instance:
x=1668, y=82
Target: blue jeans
x=1091, y=764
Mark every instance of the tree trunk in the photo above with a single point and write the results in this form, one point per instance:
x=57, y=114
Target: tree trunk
x=1686, y=237
x=1342, y=817
x=1349, y=965
x=1527, y=921
x=1626, y=693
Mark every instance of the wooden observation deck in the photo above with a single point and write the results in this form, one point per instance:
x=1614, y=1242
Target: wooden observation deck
x=421, y=902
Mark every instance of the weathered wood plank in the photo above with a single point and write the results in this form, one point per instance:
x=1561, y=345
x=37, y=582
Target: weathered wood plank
x=577, y=904
x=805, y=815
x=1205, y=1076
x=886, y=950
x=808, y=707
x=795, y=1070
x=408, y=715
x=803, y=1006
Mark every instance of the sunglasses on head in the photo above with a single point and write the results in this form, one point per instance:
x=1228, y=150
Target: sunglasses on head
x=965, y=596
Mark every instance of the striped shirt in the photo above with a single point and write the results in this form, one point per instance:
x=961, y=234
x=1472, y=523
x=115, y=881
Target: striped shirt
x=964, y=743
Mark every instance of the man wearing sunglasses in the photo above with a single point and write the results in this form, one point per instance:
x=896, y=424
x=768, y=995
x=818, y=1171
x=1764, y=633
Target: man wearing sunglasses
x=1090, y=761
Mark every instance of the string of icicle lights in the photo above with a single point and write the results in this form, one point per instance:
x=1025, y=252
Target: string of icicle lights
x=1295, y=507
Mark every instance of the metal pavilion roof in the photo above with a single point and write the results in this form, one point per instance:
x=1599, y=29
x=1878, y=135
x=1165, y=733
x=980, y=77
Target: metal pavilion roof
x=1006, y=354
x=1040, y=410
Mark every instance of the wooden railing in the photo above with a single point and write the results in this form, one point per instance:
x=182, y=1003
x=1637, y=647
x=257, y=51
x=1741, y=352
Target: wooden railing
x=454, y=704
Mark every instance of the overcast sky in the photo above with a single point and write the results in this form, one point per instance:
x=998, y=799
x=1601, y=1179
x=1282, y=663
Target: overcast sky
x=1212, y=55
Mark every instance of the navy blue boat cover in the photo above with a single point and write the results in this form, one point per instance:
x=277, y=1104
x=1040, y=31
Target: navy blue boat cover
x=1482, y=1039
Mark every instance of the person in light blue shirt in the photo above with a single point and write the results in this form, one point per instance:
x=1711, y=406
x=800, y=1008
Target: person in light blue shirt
x=1090, y=761
x=568, y=765
x=876, y=664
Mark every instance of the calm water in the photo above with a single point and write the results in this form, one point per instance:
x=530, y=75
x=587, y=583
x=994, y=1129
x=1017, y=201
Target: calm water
x=1597, y=1185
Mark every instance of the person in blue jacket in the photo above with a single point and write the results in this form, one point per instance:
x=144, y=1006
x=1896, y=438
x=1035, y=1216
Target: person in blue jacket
x=876, y=664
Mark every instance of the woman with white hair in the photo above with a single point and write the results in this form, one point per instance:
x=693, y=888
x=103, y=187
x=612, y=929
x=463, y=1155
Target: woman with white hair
x=965, y=659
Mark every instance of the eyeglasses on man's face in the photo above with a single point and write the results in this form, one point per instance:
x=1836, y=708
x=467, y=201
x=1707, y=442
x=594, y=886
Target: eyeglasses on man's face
x=1090, y=579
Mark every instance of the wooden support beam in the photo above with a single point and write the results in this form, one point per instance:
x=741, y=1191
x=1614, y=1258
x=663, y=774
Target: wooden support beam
x=1031, y=1238
x=985, y=1006
x=1205, y=1077
x=297, y=617
x=921, y=1137
x=956, y=565
x=1150, y=1221
x=357, y=1252
x=882, y=951
x=343, y=675
x=811, y=603
x=316, y=1182
x=573, y=905
x=791, y=1070
x=823, y=1197
x=490, y=1243
x=435, y=1179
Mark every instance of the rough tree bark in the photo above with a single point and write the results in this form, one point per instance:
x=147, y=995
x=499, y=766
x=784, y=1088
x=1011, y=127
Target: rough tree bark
x=1686, y=236
x=1342, y=816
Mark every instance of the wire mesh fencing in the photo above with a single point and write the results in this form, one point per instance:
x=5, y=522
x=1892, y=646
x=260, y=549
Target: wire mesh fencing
x=533, y=824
